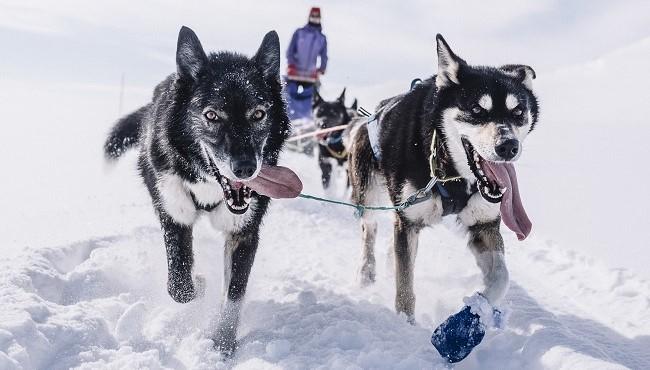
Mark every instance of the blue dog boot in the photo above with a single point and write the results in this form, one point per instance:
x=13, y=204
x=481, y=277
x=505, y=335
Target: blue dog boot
x=458, y=335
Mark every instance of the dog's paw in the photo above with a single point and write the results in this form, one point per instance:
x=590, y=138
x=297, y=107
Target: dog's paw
x=181, y=289
x=367, y=275
x=226, y=344
x=458, y=335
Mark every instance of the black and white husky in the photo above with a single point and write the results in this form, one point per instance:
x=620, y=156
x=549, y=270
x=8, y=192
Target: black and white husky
x=209, y=144
x=479, y=117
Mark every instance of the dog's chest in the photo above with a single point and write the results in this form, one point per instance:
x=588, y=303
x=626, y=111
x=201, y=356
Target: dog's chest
x=206, y=194
x=454, y=198
x=183, y=201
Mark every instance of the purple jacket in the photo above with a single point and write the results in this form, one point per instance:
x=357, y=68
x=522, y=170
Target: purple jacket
x=306, y=45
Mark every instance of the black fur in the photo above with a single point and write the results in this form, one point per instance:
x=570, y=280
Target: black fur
x=125, y=134
x=182, y=141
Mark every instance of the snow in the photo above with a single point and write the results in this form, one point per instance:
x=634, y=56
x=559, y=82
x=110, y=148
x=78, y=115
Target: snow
x=82, y=272
x=101, y=302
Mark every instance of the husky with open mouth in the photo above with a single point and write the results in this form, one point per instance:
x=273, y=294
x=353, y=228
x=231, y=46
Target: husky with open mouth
x=209, y=144
x=466, y=125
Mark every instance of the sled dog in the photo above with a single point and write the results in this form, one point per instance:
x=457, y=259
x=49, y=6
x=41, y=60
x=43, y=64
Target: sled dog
x=466, y=124
x=208, y=146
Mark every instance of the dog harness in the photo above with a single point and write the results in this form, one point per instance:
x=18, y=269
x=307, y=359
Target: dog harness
x=448, y=183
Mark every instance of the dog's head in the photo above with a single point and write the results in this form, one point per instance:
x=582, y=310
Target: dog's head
x=328, y=114
x=229, y=114
x=352, y=109
x=486, y=114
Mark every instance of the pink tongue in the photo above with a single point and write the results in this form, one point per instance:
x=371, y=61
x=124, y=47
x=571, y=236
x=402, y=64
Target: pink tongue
x=512, y=211
x=276, y=182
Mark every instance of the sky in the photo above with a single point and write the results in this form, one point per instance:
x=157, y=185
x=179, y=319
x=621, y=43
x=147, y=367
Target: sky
x=582, y=170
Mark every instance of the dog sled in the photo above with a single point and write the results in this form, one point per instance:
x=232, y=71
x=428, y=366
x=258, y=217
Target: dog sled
x=299, y=91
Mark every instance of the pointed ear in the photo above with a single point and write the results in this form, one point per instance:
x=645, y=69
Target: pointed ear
x=341, y=98
x=525, y=74
x=448, y=64
x=190, y=57
x=316, y=99
x=355, y=105
x=268, y=56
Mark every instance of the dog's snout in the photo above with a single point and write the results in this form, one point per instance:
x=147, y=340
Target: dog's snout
x=243, y=169
x=508, y=149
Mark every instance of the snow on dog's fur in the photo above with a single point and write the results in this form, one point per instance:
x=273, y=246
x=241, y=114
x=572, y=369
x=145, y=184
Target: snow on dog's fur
x=209, y=143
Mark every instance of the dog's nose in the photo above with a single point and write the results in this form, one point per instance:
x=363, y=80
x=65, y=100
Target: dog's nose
x=243, y=169
x=508, y=149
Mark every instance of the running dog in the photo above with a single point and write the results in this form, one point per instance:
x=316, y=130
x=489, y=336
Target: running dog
x=331, y=150
x=466, y=125
x=209, y=144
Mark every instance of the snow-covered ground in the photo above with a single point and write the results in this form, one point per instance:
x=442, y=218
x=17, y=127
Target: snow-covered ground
x=82, y=268
x=99, y=300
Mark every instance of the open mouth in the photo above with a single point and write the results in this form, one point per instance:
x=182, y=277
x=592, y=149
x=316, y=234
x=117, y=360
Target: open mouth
x=487, y=183
x=236, y=195
x=272, y=181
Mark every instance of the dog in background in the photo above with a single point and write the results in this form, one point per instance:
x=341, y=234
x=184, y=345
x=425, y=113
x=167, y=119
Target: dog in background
x=331, y=149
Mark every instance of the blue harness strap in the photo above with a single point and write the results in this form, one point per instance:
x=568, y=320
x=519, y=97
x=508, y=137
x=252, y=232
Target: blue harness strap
x=441, y=190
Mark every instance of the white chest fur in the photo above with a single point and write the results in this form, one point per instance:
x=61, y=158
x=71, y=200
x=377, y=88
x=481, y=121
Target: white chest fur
x=428, y=212
x=177, y=201
x=477, y=210
x=206, y=193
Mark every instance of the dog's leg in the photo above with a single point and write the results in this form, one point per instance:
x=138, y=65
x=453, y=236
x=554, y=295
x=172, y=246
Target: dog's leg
x=367, y=271
x=325, y=167
x=239, y=255
x=486, y=244
x=405, y=245
x=178, y=242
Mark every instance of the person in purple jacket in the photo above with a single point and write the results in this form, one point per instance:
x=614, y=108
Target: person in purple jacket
x=307, y=44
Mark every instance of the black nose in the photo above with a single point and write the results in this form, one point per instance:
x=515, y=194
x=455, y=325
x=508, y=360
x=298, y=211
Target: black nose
x=243, y=169
x=508, y=149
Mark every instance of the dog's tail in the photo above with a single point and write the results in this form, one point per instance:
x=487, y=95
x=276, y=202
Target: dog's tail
x=125, y=134
x=362, y=165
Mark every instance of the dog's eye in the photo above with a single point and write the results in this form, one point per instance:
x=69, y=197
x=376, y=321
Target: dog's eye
x=476, y=109
x=211, y=115
x=517, y=112
x=258, y=115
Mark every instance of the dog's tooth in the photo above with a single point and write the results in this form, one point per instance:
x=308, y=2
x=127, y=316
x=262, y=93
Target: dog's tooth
x=503, y=190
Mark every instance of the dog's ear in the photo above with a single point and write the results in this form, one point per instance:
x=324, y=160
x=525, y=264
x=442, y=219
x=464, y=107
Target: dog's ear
x=316, y=99
x=449, y=64
x=525, y=74
x=341, y=98
x=190, y=57
x=268, y=56
x=355, y=105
